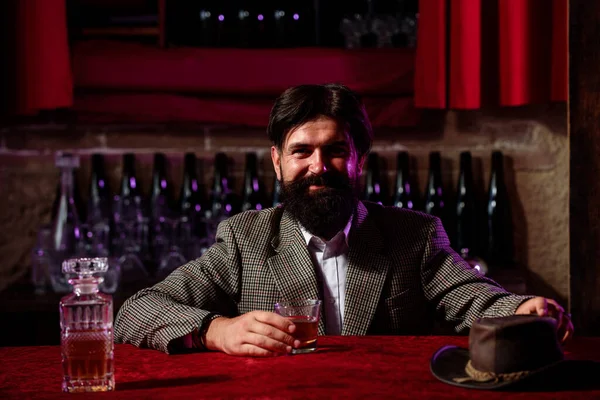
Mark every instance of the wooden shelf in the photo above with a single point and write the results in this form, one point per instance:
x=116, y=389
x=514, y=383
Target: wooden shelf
x=122, y=31
x=132, y=82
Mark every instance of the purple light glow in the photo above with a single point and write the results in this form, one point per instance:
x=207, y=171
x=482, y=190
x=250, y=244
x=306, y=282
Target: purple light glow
x=163, y=183
x=221, y=17
x=77, y=233
x=255, y=185
x=197, y=208
x=228, y=208
x=259, y=207
x=195, y=185
x=260, y=17
x=132, y=182
x=89, y=235
x=410, y=204
x=101, y=183
x=296, y=17
x=377, y=188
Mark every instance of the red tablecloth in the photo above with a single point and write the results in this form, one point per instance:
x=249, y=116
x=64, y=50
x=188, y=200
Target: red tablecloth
x=343, y=367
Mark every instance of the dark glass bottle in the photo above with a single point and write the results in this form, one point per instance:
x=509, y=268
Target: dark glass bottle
x=130, y=205
x=435, y=201
x=404, y=196
x=223, y=202
x=99, y=193
x=161, y=198
x=281, y=25
x=374, y=186
x=66, y=232
x=406, y=13
x=216, y=21
x=205, y=23
x=300, y=23
x=77, y=200
x=355, y=24
x=466, y=221
x=369, y=38
x=499, y=244
x=253, y=195
x=190, y=197
x=132, y=225
x=263, y=18
x=245, y=23
x=99, y=218
x=129, y=182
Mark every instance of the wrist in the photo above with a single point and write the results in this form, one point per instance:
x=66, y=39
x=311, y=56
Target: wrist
x=210, y=337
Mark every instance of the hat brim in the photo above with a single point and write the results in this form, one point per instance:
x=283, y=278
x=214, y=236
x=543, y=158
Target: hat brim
x=449, y=362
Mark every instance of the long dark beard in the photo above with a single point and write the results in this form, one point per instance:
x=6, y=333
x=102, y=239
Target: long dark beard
x=325, y=211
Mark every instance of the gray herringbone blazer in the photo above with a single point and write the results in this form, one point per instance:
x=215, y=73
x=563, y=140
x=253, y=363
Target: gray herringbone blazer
x=400, y=269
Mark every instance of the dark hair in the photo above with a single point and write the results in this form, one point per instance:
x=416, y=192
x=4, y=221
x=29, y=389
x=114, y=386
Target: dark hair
x=305, y=103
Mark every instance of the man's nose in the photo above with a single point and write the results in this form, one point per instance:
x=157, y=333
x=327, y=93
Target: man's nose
x=318, y=164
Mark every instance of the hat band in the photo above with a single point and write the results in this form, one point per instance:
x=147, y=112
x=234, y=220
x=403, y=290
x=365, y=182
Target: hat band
x=484, y=376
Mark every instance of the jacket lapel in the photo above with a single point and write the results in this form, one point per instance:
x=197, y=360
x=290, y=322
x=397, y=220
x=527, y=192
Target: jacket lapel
x=292, y=266
x=367, y=271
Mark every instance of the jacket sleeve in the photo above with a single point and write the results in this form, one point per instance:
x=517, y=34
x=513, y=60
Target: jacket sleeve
x=193, y=293
x=458, y=292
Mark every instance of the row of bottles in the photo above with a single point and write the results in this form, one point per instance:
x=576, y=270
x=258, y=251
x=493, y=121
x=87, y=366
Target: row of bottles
x=292, y=23
x=221, y=202
x=163, y=231
x=476, y=227
x=144, y=236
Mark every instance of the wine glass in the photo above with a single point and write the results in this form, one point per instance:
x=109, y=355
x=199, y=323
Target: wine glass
x=129, y=238
x=177, y=230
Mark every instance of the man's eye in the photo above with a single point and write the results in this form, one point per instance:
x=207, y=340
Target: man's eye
x=300, y=151
x=338, y=151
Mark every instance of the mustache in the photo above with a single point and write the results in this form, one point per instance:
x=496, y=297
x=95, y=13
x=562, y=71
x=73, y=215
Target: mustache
x=327, y=179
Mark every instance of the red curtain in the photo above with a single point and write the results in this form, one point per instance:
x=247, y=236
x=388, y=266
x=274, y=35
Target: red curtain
x=37, y=68
x=490, y=52
x=470, y=53
x=430, y=61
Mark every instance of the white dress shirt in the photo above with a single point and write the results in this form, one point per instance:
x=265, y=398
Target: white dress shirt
x=331, y=263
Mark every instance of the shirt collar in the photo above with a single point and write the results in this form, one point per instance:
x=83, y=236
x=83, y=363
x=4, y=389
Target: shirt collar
x=308, y=236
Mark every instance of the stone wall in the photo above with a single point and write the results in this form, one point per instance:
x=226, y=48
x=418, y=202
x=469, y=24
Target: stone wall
x=534, y=139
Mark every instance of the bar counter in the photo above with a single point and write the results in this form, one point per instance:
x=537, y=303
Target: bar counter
x=342, y=367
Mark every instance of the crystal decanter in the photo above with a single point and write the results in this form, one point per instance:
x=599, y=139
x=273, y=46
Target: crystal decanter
x=86, y=321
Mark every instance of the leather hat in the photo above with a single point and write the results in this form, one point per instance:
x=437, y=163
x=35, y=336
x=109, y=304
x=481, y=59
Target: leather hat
x=502, y=352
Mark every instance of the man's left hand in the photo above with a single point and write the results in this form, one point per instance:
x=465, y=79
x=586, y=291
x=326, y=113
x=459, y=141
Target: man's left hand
x=549, y=308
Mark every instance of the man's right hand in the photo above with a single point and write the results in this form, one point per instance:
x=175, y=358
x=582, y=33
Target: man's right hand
x=257, y=333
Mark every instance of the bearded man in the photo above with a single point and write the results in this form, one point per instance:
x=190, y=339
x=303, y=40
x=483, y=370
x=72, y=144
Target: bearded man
x=378, y=270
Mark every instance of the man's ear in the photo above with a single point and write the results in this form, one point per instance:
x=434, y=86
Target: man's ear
x=361, y=163
x=276, y=158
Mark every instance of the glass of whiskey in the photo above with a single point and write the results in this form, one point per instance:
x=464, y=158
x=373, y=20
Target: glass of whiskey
x=305, y=315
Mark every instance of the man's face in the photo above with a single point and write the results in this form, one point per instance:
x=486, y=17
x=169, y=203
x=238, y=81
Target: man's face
x=315, y=148
x=319, y=170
